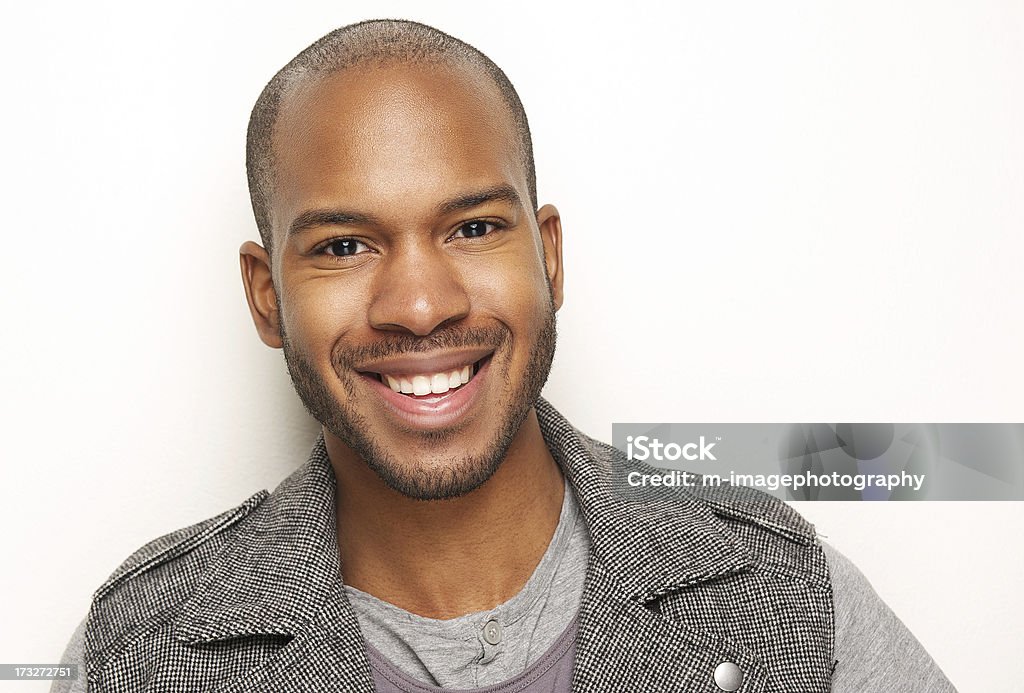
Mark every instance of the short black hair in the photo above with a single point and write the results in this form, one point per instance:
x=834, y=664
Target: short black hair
x=377, y=40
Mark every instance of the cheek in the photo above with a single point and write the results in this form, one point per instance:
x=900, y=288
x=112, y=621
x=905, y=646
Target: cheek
x=514, y=292
x=317, y=312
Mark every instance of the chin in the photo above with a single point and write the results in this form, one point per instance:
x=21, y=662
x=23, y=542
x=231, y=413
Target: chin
x=450, y=480
x=435, y=475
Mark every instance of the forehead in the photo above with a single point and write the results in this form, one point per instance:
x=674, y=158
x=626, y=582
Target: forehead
x=390, y=137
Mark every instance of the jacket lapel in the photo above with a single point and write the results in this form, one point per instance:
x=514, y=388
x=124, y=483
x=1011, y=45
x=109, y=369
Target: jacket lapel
x=327, y=655
x=624, y=646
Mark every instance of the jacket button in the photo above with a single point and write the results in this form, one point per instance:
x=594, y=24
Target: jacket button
x=728, y=676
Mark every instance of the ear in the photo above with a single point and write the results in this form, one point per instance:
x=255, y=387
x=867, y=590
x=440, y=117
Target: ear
x=260, y=293
x=550, y=225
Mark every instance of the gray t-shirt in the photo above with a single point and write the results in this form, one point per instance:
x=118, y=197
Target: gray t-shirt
x=551, y=673
x=487, y=647
x=874, y=651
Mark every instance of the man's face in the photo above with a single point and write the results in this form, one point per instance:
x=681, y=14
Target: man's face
x=407, y=257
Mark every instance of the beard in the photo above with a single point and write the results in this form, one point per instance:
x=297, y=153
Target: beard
x=441, y=478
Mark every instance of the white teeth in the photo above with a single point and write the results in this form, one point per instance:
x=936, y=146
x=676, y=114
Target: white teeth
x=436, y=383
x=420, y=385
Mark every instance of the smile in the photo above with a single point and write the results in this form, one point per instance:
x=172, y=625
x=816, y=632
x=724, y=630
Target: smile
x=422, y=384
x=431, y=390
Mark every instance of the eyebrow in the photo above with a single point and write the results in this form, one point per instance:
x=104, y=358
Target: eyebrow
x=340, y=217
x=327, y=217
x=497, y=193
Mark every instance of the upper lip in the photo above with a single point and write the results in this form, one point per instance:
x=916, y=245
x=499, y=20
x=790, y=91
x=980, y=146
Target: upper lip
x=427, y=362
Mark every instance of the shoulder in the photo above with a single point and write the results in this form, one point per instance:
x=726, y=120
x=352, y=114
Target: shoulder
x=145, y=589
x=180, y=543
x=874, y=649
x=74, y=653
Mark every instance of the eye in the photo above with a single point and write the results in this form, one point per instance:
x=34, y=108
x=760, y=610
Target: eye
x=343, y=247
x=475, y=229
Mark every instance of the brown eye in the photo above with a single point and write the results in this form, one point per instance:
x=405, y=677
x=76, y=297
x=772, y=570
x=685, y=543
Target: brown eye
x=343, y=247
x=474, y=229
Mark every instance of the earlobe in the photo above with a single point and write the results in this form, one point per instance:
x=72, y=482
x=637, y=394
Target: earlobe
x=550, y=225
x=258, y=281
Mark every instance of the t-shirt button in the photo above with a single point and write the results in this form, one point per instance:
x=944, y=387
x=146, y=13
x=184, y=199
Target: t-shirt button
x=492, y=632
x=728, y=676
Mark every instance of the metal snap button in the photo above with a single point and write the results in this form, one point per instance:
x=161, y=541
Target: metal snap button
x=728, y=676
x=492, y=632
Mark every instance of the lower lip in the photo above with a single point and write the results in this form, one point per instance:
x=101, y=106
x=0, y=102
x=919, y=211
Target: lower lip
x=432, y=411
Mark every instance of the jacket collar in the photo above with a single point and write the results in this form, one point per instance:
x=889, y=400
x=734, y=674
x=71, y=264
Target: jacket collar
x=281, y=568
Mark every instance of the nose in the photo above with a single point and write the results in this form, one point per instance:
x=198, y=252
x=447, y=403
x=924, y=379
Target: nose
x=417, y=290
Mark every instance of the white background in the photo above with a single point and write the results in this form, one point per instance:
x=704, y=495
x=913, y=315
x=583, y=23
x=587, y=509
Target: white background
x=790, y=211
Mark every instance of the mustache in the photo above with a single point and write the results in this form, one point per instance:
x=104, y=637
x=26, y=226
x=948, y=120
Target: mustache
x=449, y=338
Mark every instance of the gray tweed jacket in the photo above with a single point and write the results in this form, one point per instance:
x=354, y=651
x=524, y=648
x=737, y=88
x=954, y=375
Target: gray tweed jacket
x=680, y=581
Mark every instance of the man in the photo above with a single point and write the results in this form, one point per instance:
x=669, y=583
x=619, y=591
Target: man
x=450, y=529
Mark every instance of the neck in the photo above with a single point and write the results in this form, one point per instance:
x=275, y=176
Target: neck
x=450, y=557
